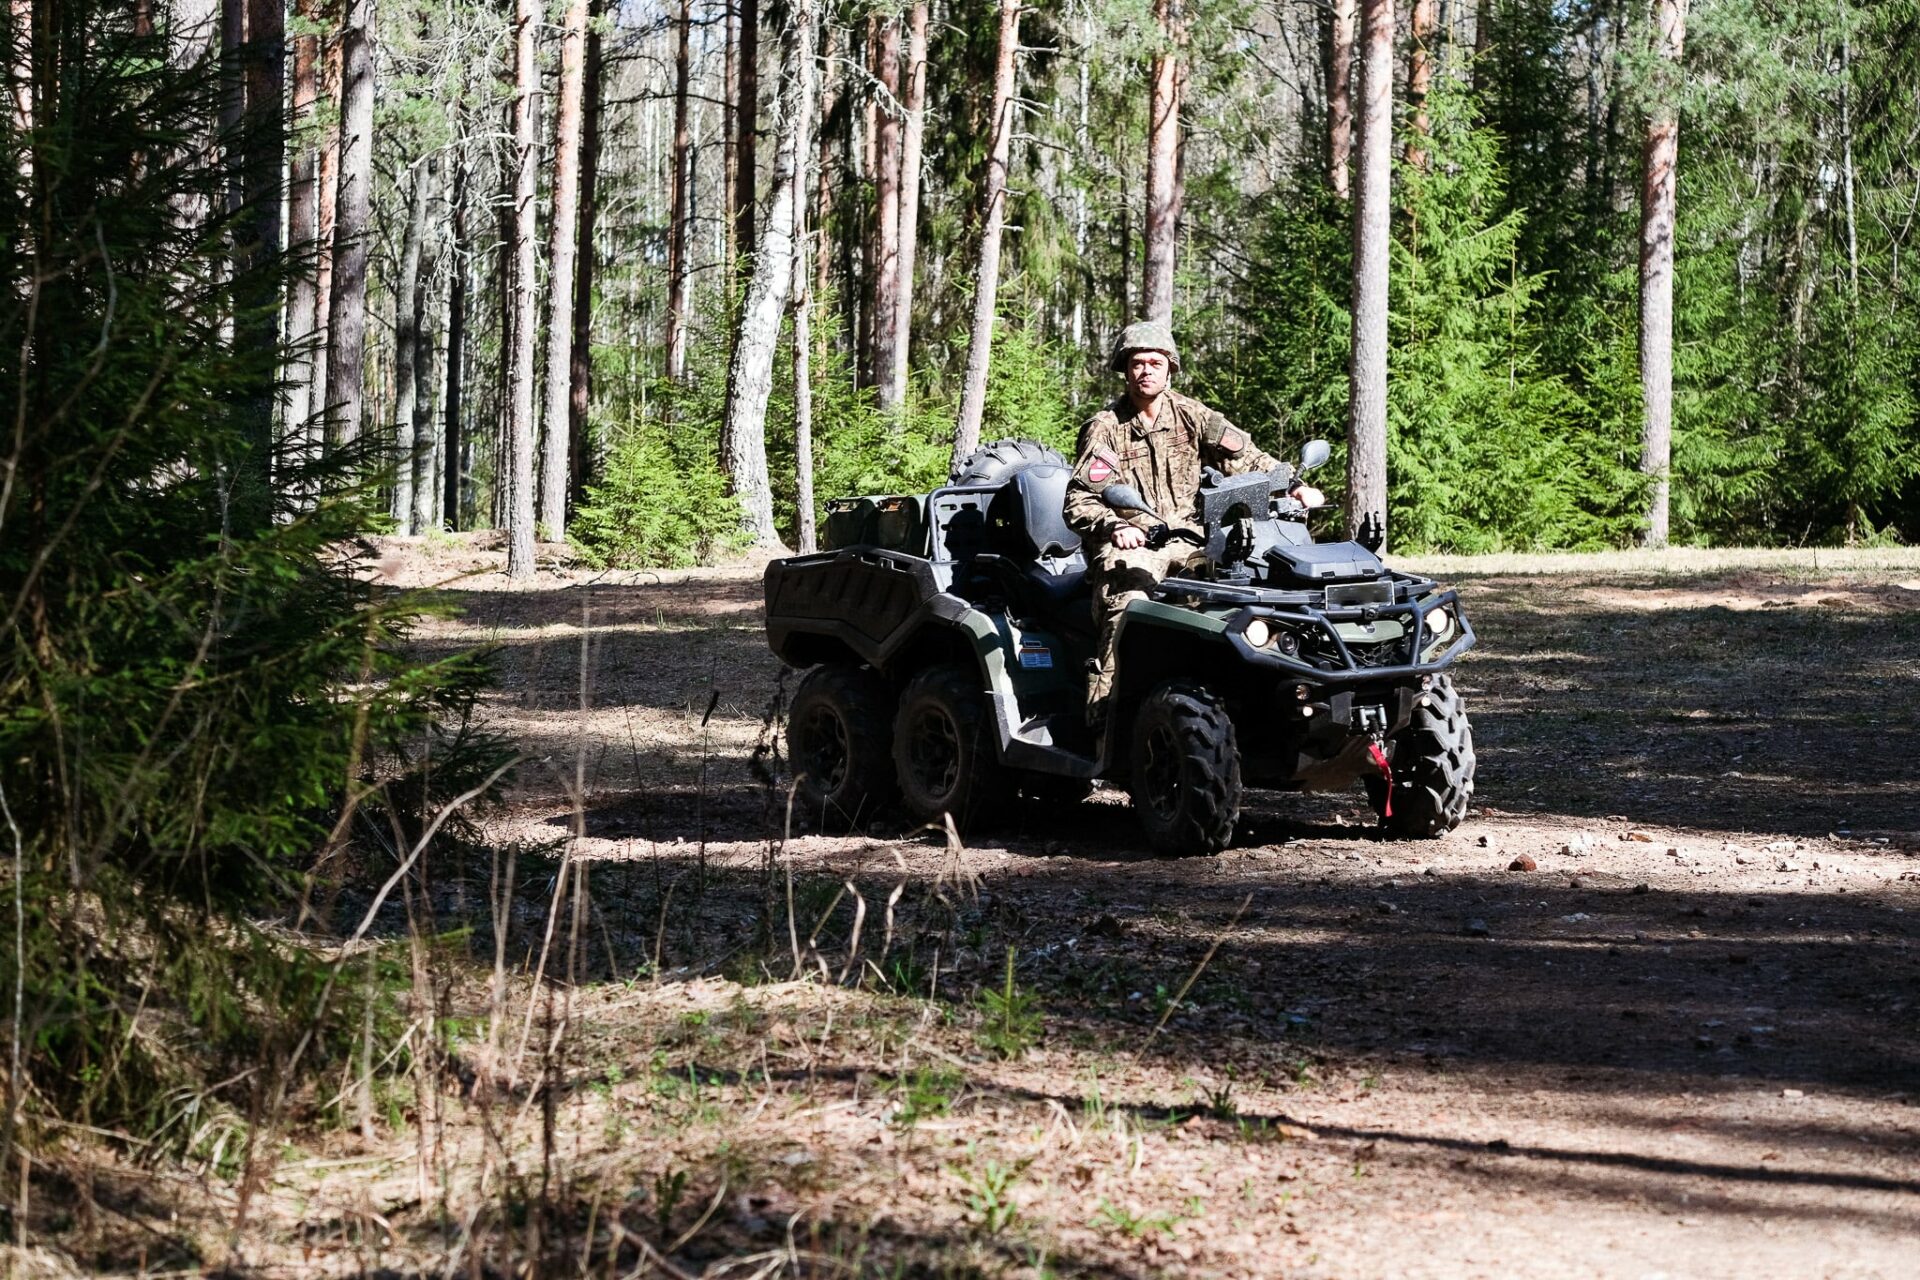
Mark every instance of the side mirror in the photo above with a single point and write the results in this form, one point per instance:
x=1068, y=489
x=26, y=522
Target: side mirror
x=1314, y=454
x=1124, y=497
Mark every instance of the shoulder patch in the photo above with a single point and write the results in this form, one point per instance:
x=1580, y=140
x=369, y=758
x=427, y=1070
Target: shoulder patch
x=1232, y=441
x=1100, y=470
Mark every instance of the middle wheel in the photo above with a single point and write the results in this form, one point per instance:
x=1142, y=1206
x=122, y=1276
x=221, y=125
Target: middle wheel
x=945, y=749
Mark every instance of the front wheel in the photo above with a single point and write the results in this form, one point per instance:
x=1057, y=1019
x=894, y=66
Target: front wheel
x=1186, y=770
x=1432, y=761
x=945, y=750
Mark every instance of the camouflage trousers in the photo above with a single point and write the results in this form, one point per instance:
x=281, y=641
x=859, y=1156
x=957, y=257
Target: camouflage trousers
x=1118, y=577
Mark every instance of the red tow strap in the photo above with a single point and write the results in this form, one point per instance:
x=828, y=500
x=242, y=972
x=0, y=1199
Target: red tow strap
x=1386, y=771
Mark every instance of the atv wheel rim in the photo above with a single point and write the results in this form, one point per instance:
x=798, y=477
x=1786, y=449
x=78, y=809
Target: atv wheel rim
x=933, y=753
x=827, y=750
x=1161, y=772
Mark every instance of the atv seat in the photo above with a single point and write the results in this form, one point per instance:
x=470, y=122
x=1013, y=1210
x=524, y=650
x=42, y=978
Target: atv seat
x=1027, y=530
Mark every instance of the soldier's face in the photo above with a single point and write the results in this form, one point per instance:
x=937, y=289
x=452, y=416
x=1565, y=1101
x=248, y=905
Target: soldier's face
x=1147, y=374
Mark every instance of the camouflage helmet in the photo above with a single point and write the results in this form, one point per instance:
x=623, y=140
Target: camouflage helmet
x=1146, y=335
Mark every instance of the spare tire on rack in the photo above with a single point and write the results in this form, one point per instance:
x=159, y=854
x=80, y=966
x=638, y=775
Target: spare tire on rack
x=1000, y=461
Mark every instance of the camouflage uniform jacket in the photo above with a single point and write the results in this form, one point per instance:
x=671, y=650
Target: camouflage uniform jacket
x=1161, y=459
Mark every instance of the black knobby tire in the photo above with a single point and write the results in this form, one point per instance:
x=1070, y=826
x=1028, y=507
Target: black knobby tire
x=1432, y=768
x=945, y=750
x=999, y=461
x=839, y=737
x=1185, y=777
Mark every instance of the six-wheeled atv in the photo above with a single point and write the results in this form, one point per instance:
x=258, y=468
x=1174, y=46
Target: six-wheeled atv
x=947, y=637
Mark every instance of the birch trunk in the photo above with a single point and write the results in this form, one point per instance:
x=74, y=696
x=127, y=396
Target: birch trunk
x=1367, y=396
x=347, y=307
x=1656, y=281
x=743, y=440
x=973, y=396
x=520, y=512
x=912, y=137
x=563, y=226
x=1163, y=177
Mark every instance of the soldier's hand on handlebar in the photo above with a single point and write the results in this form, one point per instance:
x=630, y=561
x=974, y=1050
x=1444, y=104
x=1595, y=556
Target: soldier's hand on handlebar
x=1129, y=538
x=1307, y=496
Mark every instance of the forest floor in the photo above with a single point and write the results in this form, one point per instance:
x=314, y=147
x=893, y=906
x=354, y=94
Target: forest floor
x=1683, y=1042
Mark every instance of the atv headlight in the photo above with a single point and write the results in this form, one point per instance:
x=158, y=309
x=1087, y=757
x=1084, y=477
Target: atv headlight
x=1259, y=633
x=1440, y=624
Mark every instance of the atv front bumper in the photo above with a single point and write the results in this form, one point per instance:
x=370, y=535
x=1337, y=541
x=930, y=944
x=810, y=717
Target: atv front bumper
x=1307, y=641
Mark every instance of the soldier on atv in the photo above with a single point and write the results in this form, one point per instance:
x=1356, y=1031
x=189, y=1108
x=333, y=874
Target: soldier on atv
x=1156, y=440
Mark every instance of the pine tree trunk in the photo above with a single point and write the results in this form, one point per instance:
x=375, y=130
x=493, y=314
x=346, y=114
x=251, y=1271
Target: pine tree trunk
x=520, y=421
x=1656, y=281
x=729, y=130
x=406, y=336
x=746, y=125
x=743, y=440
x=1482, y=41
x=912, y=137
x=886, y=211
x=580, y=371
x=973, y=395
x=303, y=228
x=678, y=245
x=823, y=156
x=1367, y=400
x=1419, y=82
x=1163, y=178
x=327, y=184
x=452, y=401
x=426, y=442
x=347, y=309
x=563, y=226
x=1340, y=100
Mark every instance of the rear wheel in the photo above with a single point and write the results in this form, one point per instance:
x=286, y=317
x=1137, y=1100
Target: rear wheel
x=839, y=731
x=1432, y=760
x=1186, y=770
x=945, y=752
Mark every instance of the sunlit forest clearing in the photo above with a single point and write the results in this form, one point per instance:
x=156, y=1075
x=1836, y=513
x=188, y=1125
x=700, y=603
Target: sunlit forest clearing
x=429, y=851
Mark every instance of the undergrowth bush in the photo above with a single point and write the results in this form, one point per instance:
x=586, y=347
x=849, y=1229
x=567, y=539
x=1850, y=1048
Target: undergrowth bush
x=201, y=687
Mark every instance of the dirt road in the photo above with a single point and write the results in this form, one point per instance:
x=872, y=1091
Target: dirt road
x=1685, y=1041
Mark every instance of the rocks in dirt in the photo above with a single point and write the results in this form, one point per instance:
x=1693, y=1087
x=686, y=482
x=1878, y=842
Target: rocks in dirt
x=1523, y=863
x=1484, y=842
x=1385, y=908
x=1703, y=1043
x=1577, y=917
x=1642, y=887
x=1477, y=928
x=1792, y=1093
x=1638, y=837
